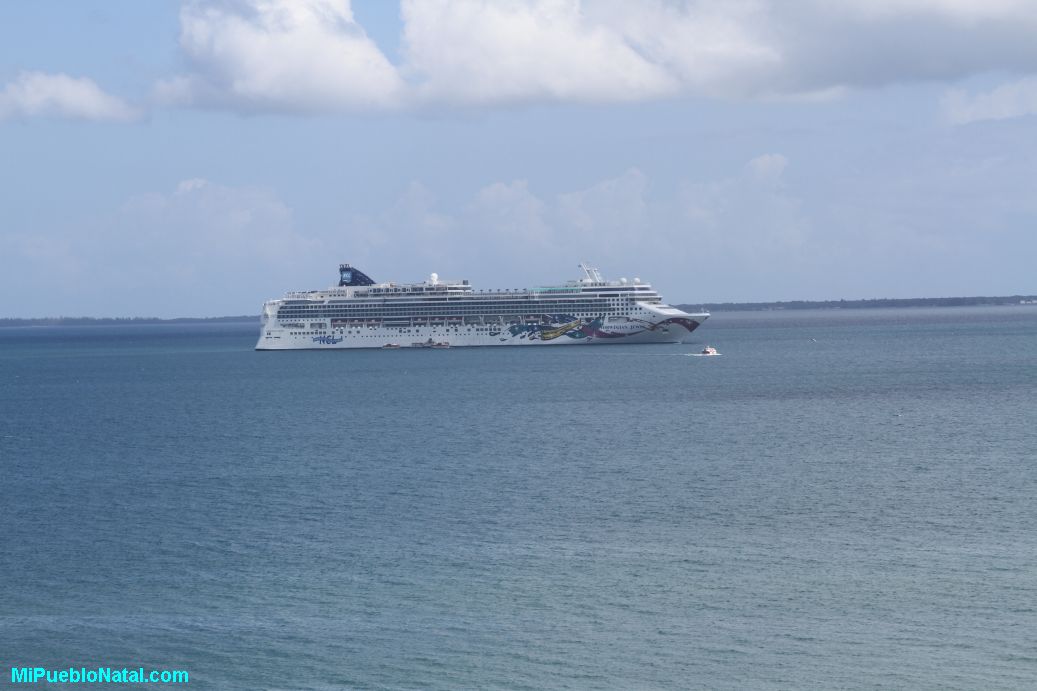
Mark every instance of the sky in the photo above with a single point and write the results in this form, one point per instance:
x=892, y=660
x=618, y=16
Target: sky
x=189, y=158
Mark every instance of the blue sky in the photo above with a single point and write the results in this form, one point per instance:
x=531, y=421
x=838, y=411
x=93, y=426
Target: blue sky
x=193, y=159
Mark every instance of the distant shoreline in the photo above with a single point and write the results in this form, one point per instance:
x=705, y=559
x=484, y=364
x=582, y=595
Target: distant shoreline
x=874, y=303
x=114, y=321
x=709, y=306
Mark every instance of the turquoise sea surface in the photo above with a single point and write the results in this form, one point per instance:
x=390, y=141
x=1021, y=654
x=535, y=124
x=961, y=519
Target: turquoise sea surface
x=841, y=499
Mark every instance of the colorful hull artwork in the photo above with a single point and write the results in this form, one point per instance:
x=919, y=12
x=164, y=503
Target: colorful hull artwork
x=556, y=326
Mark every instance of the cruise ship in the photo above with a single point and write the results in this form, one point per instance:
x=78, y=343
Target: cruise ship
x=359, y=313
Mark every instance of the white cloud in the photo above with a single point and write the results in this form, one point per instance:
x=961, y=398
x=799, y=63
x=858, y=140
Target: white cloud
x=501, y=219
x=412, y=222
x=510, y=210
x=545, y=50
x=313, y=56
x=1010, y=100
x=200, y=249
x=37, y=94
x=188, y=186
x=611, y=216
x=712, y=49
x=205, y=228
x=959, y=10
x=768, y=167
x=300, y=55
x=748, y=220
x=500, y=51
x=488, y=51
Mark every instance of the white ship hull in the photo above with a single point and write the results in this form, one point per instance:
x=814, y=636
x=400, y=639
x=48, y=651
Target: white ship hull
x=421, y=337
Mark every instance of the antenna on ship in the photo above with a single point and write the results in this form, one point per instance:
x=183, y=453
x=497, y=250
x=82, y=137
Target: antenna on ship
x=591, y=273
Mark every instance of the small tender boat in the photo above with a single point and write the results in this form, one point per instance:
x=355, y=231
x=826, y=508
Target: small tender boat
x=391, y=346
x=709, y=350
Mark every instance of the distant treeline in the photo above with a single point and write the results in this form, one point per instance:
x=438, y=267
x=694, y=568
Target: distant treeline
x=863, y=304
x=106, y=321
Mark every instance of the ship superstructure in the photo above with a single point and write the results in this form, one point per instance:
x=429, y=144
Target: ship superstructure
x=359, y=313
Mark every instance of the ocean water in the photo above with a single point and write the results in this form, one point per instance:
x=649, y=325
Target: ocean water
x=839, y=500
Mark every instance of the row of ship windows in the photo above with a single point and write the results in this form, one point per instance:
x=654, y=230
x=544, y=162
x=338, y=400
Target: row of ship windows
x=456, y=309
x=539, y=306
x=547, y=305
x=445, y=310
x=438, y=317
x=401, y=331
x=480, y=298
x=563, y=307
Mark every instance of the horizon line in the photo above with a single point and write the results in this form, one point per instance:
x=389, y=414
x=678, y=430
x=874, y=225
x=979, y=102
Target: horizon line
x=858, y=303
